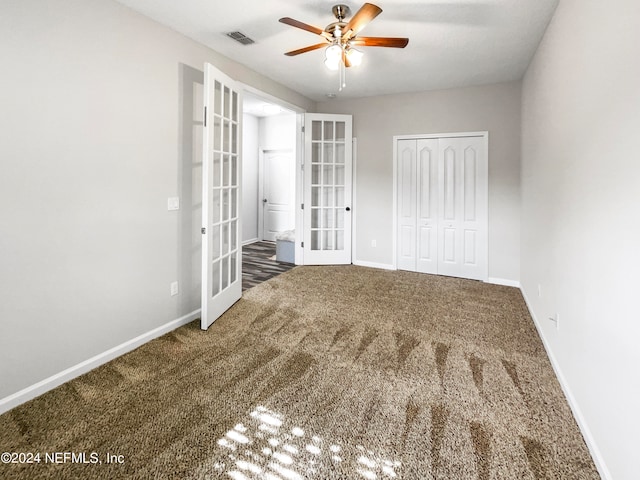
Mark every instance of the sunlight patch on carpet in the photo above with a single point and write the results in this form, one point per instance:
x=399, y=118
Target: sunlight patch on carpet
x=267, y=445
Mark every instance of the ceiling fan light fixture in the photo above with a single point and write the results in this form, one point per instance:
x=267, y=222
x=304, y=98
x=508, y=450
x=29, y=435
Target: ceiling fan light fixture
x=333, y=56
x=355, y=56
x=332, y=63
x=332, y=52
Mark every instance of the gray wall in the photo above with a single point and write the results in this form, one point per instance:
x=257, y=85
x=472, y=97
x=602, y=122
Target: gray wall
x=580, y=212
x=495, y=108
x=100, y=123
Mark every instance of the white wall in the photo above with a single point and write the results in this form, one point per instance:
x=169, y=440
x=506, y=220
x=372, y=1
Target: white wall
x=250, y=139
x=495, y=108
x=278, y=132
x=100, y=123
x=581, y=220
x=274, y=132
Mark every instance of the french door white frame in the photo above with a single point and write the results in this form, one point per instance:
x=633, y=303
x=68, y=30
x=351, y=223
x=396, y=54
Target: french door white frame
x=328, y=238
x=221, y=195
x=299, y=215
x=298, y=152
x=396, y=138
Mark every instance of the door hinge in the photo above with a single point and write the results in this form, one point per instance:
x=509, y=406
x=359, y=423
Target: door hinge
x=302, y=244
x=303, y=129
x=203, y=231
x=205, y=116
x=302, y=206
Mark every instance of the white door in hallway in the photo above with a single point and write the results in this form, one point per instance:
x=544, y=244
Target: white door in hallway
x=441, y=213
x=278, y=192
x=221, y=212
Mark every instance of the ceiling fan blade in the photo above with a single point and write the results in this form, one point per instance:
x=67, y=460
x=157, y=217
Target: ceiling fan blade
x=367, y=12
x=380, y=42
x=303, y=26
x=306, y=49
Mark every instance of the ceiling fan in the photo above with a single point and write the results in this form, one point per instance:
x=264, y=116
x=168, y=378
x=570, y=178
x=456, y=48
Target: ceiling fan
x=340, y=37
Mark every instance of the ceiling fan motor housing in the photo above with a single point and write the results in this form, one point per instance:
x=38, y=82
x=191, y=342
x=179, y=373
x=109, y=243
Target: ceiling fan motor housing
x=341, y=12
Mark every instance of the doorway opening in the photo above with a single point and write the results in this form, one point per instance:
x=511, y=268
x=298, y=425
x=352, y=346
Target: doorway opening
x=270, y=157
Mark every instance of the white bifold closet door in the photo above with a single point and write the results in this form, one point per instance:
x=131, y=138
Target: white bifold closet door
x=442, y=206
x=418, y=205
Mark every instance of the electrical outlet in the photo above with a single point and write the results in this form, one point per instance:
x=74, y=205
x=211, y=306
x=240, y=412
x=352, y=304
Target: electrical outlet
x=173, y=203
x=174, y=289
x=374, y=243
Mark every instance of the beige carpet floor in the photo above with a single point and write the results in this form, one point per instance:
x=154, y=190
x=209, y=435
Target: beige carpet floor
x=323, y=373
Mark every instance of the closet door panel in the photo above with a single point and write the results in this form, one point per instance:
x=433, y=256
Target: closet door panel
x=462, y=246
x=427, y=206
x=470, y=182
x=470, y=247
x=474, y=222
x=406, y=156
x=449, y=213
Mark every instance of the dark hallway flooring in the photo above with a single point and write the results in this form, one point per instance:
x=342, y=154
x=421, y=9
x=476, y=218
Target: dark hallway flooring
x=259, y=264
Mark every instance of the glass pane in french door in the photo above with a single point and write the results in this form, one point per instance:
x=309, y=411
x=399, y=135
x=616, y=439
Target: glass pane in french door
x=225, y=186
x=327, y=185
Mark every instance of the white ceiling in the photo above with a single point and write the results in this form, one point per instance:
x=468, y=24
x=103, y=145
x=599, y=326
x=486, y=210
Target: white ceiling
x=259, y=107
x=452, y=43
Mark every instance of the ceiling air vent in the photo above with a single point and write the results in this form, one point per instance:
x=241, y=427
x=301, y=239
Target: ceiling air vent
x=240, y=37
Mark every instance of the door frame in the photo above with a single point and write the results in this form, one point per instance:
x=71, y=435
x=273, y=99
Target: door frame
x=299, y=212
x=261, y=155
x=298, y=152
x=483, y=134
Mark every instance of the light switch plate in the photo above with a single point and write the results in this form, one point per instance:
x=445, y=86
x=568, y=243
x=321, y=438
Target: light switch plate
x=173, y=203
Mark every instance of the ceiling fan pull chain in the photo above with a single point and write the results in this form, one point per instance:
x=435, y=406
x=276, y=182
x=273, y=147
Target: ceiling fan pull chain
x=343, y=73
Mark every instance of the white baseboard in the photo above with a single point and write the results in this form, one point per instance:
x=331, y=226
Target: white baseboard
x=251, y=240
x=70, y=373
x=577, y=413
x=503, y=281
x=383, y=266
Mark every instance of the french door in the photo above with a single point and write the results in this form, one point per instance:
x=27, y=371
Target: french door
x=221, y=196
x=327, y=189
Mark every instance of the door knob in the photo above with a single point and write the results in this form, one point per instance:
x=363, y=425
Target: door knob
x=348, y=209
x=264, y=200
